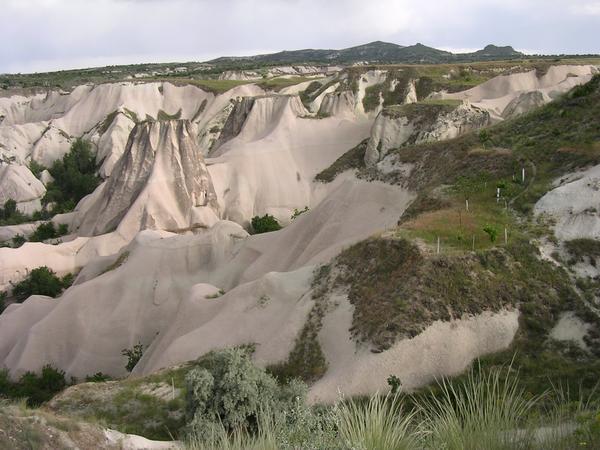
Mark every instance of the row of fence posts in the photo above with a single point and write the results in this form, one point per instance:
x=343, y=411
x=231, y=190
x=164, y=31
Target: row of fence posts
x=473, y=241
x=497, y=200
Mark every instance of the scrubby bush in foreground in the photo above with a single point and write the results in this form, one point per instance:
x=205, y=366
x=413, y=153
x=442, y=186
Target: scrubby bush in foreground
x=227, y=390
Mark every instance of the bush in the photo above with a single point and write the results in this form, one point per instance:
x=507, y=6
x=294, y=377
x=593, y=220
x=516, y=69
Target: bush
x=492, y=232
x=133, y=355
x=41, y=281
x=265, y=224
x=18, y=240
x=98, y=377
x=47, y=230
x=36, y=168
x=227, y=389
x=10, y=215
x=37, y=389
x=74, y=178
x=2, y=301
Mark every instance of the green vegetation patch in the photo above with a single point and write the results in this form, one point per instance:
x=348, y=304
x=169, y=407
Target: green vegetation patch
x=352, y=159
x=583, y=249
x=265, y=224
x=421, y=112
x=74, y=178
x=41, y=281
x=151, y=406
x=162, y=115
x=35, y=388
x=306, y=361
x=278, y=83
x=397, y=291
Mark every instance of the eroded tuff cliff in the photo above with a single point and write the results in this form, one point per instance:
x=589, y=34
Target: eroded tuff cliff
x=421, y=122
x=161, y=182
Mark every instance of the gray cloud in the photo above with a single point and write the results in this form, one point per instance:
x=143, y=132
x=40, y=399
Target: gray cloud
x=51, y=34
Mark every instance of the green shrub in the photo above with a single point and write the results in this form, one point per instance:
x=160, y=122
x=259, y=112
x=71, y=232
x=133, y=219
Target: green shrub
x=394, y=383
x=492, y=232
x=36, y=388
x=133, y=355
x=74, y=178
x=98, y=377
x=265, y=224
x=2, y=301
x=36, y=168
x=18, y=240
x=10, y=215
x=41, y=281
x=48, y=230
x=227, y=389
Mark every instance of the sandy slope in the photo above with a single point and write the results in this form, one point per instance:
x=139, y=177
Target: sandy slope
x=443, y=349
x=496, y=95
x=573, y=205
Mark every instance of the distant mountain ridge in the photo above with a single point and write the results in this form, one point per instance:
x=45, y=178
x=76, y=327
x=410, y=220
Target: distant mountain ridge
x=376, y=52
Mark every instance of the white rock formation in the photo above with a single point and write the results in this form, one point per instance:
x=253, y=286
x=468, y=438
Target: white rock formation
x=18, y=183
x=496, y=94
x=574, y=205
x=161, y=182
x=418, y=123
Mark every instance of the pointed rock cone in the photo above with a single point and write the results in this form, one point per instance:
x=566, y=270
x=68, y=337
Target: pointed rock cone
x=160, y=182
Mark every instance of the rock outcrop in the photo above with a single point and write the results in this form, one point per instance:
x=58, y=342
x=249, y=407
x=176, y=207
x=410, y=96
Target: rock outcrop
x=18, y=183
x=421, y=122
x=161, y=182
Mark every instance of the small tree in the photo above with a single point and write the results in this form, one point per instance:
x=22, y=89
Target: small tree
x=133, y=355
x=265, y=224
x=492, y=232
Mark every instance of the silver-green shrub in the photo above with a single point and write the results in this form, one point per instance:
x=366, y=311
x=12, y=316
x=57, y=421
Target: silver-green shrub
x=227, y=390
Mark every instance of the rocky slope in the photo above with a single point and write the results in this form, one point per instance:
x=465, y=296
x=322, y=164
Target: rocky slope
x=162, y=248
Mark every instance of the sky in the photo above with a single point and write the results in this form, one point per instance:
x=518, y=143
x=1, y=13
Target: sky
x=43, y=35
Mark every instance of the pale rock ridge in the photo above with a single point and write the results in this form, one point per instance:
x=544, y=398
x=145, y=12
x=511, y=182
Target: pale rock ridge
x=53, y=144
x=395, y=127
x=161, y=182
x=574, y=205
x=235, y=121
x=525, y=102
x=496, y=94
x=111, y=143
x=18, y=183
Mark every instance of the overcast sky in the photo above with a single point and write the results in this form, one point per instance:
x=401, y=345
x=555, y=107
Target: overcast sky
x=40, y=35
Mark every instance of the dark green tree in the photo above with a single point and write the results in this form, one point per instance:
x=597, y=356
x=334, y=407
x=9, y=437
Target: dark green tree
x=265, y=224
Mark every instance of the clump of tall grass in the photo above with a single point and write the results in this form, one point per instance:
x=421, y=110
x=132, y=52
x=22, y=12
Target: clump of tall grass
x=380, y=423
x=568, y=422
x=485, y=410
